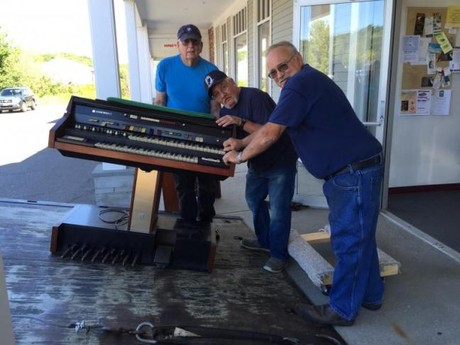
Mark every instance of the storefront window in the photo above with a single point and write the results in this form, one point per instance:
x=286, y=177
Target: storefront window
x=241, y=55
x=345, y=42
x=264, y=41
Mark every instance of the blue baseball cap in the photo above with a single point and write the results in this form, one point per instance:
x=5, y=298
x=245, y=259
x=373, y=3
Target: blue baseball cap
x=189, y=31
x=213, y=78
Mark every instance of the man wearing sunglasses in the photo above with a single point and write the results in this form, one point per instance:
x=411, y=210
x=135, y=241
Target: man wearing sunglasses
x=271, y=174
x=334, y=146
x=179, y=85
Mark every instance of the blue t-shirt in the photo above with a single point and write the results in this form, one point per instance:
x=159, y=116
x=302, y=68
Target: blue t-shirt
x=256, y=106
x=184, y=85
x=323, y=127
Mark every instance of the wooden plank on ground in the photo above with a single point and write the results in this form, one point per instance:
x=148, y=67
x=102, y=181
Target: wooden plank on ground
x=319, y=270
x=316, y=237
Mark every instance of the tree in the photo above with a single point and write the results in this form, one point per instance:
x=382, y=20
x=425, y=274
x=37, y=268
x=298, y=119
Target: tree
x=9, y=62
x=19, y=68
x=316, y=48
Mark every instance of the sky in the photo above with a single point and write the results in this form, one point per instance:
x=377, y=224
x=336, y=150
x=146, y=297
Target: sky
x=48, y=26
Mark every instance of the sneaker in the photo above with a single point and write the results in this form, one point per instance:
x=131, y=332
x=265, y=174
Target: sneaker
x=275, y=265
x=252, y=245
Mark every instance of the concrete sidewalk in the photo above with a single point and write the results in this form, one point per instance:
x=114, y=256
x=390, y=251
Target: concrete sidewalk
x=421, y=304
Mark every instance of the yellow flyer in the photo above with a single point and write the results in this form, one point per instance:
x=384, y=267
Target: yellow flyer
x=444, y=43
x=453, y=17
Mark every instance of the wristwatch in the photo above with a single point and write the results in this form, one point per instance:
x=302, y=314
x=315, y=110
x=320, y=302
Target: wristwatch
x=242, y=123
x=239, y=158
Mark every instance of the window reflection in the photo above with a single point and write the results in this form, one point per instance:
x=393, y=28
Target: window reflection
x=264, y=42
x=241, y=54
x=345, y=42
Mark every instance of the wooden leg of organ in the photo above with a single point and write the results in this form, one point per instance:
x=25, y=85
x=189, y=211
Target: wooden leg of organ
x=168, y=188
x=145, y=201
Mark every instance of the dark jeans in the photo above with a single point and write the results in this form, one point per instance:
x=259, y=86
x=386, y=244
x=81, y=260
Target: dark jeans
x=196, y=193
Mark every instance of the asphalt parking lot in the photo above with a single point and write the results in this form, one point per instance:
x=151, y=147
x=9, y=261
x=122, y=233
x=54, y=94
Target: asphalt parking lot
x=31, y=171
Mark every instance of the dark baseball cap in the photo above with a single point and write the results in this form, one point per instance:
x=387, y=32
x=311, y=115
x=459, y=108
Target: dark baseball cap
x=213, y=78
x=189, y=31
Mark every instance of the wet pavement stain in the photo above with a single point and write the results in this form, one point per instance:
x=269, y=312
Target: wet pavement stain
x=47, y=294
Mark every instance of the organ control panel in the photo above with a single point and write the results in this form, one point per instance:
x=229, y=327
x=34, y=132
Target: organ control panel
x=141, y=135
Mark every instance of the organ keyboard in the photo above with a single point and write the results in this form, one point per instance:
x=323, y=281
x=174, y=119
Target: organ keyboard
x=153, y=139
x=141, y=135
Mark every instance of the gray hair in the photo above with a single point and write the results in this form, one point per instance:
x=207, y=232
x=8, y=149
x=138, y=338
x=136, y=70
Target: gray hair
x=283, y=44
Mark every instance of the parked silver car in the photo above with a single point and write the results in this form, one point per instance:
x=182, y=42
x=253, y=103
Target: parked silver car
x=17, y=98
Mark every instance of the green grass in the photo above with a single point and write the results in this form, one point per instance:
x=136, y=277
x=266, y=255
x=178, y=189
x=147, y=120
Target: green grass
x=62, y=98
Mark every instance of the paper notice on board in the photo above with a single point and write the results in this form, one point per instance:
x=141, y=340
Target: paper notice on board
x=428, y=26
x=443, y=42
x=437, y=24
x=454, y=64
x=415, y=102
x=410, y=48
x=440, y=103
x=453, y=17
x=423, y=102
x=424, y=44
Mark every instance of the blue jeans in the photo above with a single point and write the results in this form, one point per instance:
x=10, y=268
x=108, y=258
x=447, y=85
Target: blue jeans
x=354, y=202
x=272, y=225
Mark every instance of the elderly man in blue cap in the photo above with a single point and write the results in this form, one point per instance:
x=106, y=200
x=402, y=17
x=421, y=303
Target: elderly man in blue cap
x=270, y=174
x=179, y=85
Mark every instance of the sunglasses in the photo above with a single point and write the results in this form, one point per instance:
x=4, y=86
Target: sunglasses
x=281, y=68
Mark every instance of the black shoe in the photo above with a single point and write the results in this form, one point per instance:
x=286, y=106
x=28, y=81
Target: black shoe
x=186, y=223
x=323, y=314
x=372, y=306
x=205, y=220
x=253, y=245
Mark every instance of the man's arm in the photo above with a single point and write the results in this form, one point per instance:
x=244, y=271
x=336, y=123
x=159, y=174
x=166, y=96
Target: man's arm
x=160, y=98
x=215, y=108
x=246, y=125
x=234, y=144
x=257, y=142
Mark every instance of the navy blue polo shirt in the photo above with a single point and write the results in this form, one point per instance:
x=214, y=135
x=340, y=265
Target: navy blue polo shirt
x=323, y=127
x=256, y=106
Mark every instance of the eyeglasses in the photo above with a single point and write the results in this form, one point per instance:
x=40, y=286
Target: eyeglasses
x=281, y=68
x=190, y=40
x=221, y=88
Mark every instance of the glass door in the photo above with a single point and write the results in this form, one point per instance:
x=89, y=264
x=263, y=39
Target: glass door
x=350, y=42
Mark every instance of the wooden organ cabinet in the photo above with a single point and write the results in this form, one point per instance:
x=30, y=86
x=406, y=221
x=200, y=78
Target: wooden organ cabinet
x=157, y=141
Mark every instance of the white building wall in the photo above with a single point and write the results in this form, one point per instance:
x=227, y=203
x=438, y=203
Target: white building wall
x=282, y=29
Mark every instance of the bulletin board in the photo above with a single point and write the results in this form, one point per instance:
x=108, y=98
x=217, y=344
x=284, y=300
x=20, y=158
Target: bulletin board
x=429, y=58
